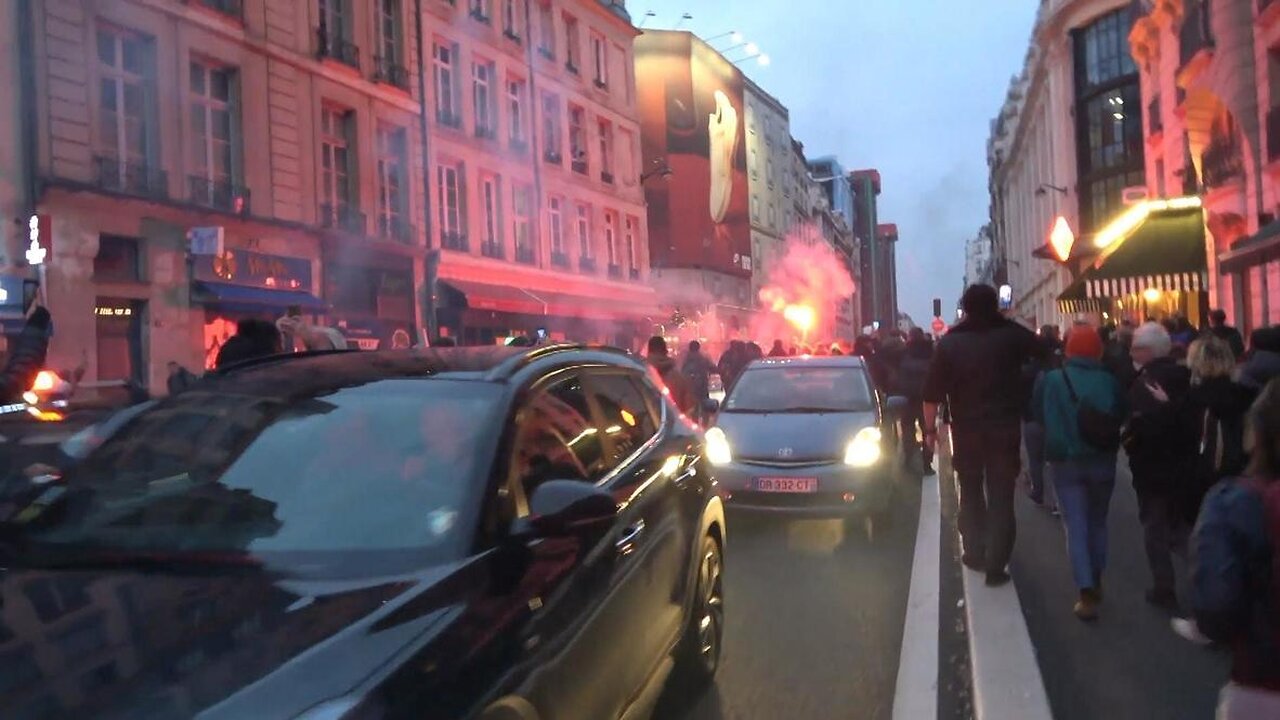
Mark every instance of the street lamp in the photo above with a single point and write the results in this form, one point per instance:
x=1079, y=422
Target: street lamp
x=1040, y=191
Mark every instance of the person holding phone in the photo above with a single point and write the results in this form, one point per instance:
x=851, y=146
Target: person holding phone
x=30, y=350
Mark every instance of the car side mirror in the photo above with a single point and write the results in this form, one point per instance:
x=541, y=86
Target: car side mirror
x=896, y=404
x=559, y=508
x=711, y=405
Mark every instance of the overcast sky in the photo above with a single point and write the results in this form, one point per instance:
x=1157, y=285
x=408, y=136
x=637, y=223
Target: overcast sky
x=904, y=86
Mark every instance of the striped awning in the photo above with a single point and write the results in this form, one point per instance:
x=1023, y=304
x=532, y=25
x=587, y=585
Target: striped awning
x=1132, y=285
x=1074, y=299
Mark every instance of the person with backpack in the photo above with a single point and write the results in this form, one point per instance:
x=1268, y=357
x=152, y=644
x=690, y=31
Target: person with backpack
x=1080, y=408
x=1235, y=570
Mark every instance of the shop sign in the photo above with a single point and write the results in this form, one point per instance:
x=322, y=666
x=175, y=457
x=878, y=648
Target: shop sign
x=39, y=240
x=375, y=334
x=101, y=311
x=255, y=269
x=206, y=240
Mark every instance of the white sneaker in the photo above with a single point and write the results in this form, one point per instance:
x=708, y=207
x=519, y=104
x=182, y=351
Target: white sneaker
x=1188, y=630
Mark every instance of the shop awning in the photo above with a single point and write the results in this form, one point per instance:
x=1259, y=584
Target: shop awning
x=503, y=298
x=1262, y=247
x=1165, y=251
x=499, y=298
x=1075, y=298
x=242, y=297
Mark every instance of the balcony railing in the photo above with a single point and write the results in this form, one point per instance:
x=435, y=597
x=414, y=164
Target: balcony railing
x=492, y=249
x=478, y=15
x=560, y=259
x=524, y=254
x=1155, y=123
x=546, y=52
x=579, y=165
x=1221, y=162
x=130, y=178
x=1273, y=133
x=553, y=157
x=341, y=216
x=336, y=48
x=586, y=264
x=511, y=35
x=615, y=271
x=601, y=84
x=232, y=8
x=606, y=177
x=571, y=66
x=219, y=195
x=388, y=71
x=484, y=132
x=448, y=119
x=1196, y=33
x=395, y=228
x=454, y=241
x=634, y=273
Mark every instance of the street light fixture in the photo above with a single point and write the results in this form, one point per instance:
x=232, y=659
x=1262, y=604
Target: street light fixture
x=1044, y=187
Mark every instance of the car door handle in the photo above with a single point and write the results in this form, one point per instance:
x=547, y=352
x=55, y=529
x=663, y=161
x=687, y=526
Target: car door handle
x=630, y=535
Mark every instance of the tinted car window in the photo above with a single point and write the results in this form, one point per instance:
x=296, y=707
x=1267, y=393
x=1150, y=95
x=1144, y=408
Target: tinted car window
x=388, y=465
x=558, y=439
x=624, y=414
x=797, y=388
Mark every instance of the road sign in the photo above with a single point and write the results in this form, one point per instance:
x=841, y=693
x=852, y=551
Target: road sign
x=938, y=326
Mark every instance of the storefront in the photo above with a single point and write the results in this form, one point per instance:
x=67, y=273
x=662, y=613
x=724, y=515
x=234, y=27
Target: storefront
x=14, y=291
x=1253, y=264
x=240, y=284
x=372, y=296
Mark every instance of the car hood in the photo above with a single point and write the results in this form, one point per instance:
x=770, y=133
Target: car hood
x=122, y=644
x=792, y=437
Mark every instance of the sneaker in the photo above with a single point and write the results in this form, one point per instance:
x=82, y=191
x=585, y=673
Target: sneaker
x=997, y=578
x=1188, y=630
x=1087, y=606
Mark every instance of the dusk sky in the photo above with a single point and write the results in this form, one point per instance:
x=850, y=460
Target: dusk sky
x=905, y=86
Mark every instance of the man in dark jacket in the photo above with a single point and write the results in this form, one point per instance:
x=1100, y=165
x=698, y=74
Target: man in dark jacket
x=670, y=374
x=971, y=371
x=254, y=338
x=913, y=370
x=1160, y=440
x=732, y=362
x=698, y=369
x=1218, y=326
x=27, y=357
x=1033, y=434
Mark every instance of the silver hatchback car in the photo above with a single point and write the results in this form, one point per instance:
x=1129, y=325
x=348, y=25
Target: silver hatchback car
x=807, y=437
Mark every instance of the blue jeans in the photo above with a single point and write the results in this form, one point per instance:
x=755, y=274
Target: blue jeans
x=1084, y=487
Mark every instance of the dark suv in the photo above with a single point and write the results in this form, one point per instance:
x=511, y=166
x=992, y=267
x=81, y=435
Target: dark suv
x=493, y=533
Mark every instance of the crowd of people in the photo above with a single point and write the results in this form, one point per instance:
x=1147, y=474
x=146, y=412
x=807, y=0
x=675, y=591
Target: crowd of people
x=1197, y=415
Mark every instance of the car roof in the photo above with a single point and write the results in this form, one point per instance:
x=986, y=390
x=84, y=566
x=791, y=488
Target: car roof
x=810, y=361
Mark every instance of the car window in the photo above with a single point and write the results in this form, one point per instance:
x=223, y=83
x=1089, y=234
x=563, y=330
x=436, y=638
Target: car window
x=625, y=416
x=799, y=388
x=557, y=437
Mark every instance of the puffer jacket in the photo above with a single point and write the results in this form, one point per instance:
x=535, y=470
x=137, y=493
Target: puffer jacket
x=1053, y=407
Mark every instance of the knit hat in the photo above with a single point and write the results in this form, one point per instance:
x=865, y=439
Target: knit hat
x=1084, y=341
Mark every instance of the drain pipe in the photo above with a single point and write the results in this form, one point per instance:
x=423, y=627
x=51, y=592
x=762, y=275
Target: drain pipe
x=27, y=104
x=430, y=273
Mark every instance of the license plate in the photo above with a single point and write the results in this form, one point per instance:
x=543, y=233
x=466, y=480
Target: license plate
x=787, y=485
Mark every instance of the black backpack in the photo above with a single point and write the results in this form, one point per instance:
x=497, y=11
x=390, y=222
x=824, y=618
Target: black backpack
x=1098, y=428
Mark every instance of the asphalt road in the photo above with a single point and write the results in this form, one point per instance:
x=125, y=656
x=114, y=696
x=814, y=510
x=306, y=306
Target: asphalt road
x=814, y=620
x=1129, y=664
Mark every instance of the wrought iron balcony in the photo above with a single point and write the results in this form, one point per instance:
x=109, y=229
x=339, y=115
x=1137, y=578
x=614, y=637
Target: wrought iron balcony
x=449, y=119
x=344, y=217
x=571, y=66
x=547, y=52
x=219, y=195
x=386, y=70
x=335, y=48
x=492, y=249
x=1196, y=33
x=560, y=259
x=1221, y=162
x=525, y=254
x=511, y=35
x=454, y=241
x=232, y=8
x=484, y=132
x=615, y=271
x=635, y=273
x=1273, y=133
x=579, y=165
x=586, y=263
x=478, y=15
x=130, y=178
x=395, y=228
x=606, y=177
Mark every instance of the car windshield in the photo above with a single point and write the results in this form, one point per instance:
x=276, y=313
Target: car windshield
x=386, y=466
x=796, y=388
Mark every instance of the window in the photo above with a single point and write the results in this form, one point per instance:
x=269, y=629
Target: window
x=442, y=60
x=571, y=40
x=449, y=201
x=511, y=18
x=336, y=186
x=118, y=259
x=522, y=222
x=490, y=197
x=600, y=60
x=336, y=31
x=555, y=219
x=625, y=414
x=126, y=98
x=517, y=89
x=606, y=151
x=623, y=62
x=558, y=438
x=483, y=97
x=584, y=230
x=546, y=30
x=611, y=238
x=215, y=153
x=1102, y=50
x=551, y=127
x=630, y=240
x=578, y=138
x=480, y=10
x=392, y=158
x=389, y=62
x=626, y=154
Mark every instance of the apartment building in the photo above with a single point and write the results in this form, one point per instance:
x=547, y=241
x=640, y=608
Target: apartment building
x=768, y=142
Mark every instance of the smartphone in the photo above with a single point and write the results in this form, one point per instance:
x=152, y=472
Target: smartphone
x=542, y=333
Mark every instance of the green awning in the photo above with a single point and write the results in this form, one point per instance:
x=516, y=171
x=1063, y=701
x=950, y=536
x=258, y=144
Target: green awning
x=1257, y=249
x=1075, y=299
x=1165, y=252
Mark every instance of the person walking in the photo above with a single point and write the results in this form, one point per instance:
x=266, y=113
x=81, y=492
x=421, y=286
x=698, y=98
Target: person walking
x=1235, y=573
x=1084, y=473
x=697, y=369
x=666, y=367
x=1219, y=328
x=1160, y=439
x=971, y=368
x=732, y=362
x=254, y=338
x=777, y=350
x=912, y=373
x=1033, y=438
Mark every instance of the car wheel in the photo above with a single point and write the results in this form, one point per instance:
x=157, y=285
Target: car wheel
x=699, y=654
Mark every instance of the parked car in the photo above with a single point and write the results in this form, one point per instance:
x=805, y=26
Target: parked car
x=454, y=533
x=807, y=437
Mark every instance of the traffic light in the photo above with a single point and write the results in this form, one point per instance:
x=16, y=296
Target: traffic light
x=937, y=307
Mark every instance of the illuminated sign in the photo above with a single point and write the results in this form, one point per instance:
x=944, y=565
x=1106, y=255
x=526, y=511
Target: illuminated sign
x=254, y=269
x=113, y=311
x=1006, y=297
x=1061, y=239
x=39, y=240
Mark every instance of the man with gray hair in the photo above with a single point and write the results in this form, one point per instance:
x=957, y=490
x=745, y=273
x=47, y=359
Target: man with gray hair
x=1160, y=440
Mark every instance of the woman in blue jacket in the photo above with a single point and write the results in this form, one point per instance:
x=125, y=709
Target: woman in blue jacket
x=1084, y=476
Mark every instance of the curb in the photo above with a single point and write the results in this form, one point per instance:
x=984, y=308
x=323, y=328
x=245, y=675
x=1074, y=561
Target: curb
x=1006, y=674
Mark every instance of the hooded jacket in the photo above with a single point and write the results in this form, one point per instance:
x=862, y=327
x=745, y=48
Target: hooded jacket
x=1052, y=405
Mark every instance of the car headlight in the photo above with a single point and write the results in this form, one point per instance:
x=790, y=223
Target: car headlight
x=864, y=449
x=718, y=452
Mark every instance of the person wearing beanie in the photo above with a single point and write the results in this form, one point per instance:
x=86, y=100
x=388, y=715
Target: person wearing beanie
x=1084, y=475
